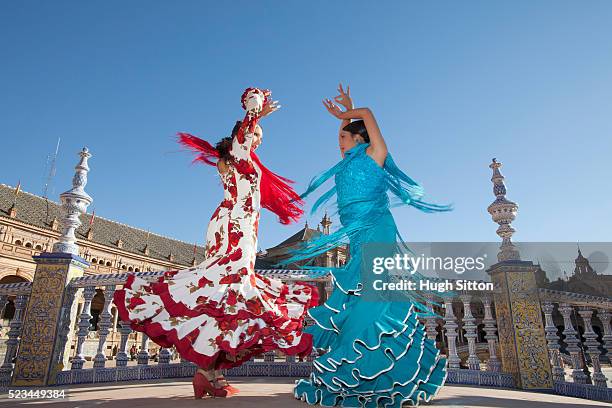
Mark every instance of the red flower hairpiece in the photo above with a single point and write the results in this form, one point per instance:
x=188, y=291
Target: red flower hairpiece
x=265, y=93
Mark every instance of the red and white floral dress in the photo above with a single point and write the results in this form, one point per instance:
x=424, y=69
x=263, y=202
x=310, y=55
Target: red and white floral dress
x=221, y=309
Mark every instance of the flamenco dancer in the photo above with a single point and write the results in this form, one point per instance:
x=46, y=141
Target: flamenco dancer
x=378, y=354
x=221, y=313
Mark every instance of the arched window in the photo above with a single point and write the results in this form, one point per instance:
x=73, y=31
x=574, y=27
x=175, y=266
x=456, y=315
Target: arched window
x=94, y=260
x=38, y=247
x=28, y=245
x=101, y=262
x=123, y=267
x=108, y=263
x=130, y=269
x=136, y=270
x=18, y=242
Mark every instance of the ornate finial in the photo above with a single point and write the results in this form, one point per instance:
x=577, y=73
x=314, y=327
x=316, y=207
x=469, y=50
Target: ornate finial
x=326, y=223
x=74, y=203
x=503, y=212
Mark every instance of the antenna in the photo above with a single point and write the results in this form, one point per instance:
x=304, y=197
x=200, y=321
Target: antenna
x=51, y=163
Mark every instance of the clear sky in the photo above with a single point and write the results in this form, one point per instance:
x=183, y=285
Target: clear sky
x=452, y=84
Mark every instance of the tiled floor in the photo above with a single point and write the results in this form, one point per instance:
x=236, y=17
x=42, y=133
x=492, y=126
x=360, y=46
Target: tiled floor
x=274, y=393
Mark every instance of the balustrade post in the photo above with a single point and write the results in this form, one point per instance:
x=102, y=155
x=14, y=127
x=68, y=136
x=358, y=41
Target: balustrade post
x=61, y=355
x=552, y=339
x=122, y=355
x=104, y=327
x=143, y=354
x=591, y=344
x=14, y=333
x=493, y=364
x=431, y=323
x=604, y=316
x=454, y=362
x=470, y=332
x=164, y=356
x=84, y=324
x=572, y=341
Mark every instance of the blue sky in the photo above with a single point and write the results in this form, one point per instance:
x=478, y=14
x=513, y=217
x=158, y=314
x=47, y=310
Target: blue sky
x=452, y=85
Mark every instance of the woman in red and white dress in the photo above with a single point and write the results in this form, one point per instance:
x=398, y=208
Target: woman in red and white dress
x=221, y=313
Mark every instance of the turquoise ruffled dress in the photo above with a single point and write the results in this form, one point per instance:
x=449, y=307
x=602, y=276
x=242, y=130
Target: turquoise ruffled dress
x=378, y=354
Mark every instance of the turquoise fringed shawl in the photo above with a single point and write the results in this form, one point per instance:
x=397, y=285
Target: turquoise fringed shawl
x=365, y=192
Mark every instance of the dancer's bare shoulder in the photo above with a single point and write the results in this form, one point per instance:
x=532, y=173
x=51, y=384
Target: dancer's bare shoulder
x=222, y=166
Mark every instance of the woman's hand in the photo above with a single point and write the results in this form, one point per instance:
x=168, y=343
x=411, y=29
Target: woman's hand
x=344, y=98
x=335, y=110
x=268, y=108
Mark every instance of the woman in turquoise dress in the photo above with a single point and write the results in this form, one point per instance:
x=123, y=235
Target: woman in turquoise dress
x=378, y=354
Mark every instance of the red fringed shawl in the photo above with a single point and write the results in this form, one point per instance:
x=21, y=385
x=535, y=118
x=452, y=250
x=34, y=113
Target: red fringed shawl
x=276, y=193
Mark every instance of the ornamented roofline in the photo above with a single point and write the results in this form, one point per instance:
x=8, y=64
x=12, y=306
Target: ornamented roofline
x=31, y=212
x=88, y=215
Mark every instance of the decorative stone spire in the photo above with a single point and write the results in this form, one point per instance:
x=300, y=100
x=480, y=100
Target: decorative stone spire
x=74, y=203
x=503, y=212
x=326, y=223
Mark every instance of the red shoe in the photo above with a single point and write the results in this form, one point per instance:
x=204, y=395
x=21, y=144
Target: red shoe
x=201, y=385
x=226, y=390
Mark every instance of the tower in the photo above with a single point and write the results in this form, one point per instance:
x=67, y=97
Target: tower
x=583, y=268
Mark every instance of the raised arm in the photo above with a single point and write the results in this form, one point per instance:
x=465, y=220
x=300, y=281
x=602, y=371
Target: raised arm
x=258, y=105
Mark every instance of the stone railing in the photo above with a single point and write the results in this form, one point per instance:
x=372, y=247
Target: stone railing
x=119, y=369
x=457, y=316
x=568, y=309
x=86, y=287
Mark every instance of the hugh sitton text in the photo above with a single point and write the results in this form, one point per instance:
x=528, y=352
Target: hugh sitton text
x=433, y=285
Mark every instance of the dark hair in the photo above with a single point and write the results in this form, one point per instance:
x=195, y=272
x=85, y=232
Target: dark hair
x=358, y=128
